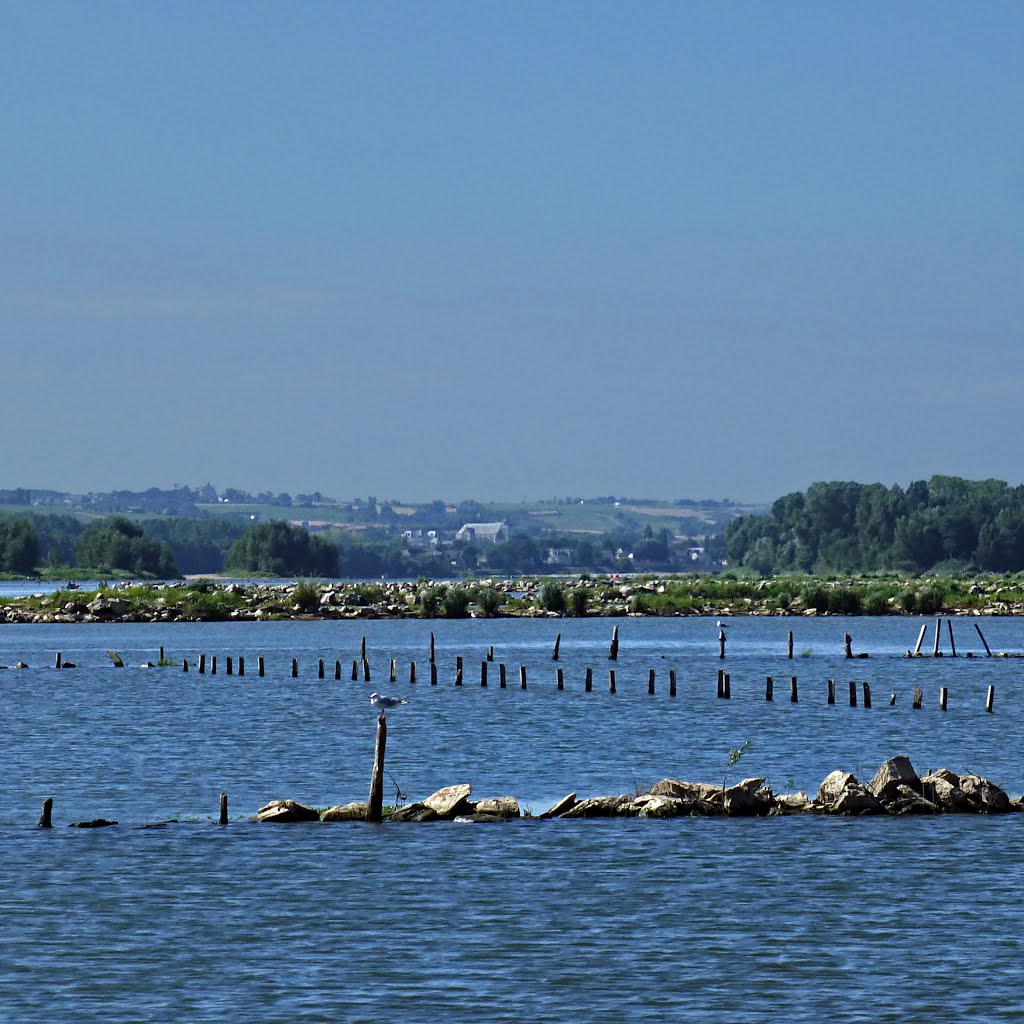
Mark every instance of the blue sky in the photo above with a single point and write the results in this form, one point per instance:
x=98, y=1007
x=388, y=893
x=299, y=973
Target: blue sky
x=502, y=251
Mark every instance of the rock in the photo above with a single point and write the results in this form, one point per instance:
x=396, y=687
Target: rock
x=450, y=800
x=418, y=811
x=502, y=806
x=986, y=796
x=700, y=797
x=894, y=773
x=792, y=803
x=20, y=664
x=477, y=816
x=285, y=811
x=841, y=793
x=904, y=800
x=747, y=799
x=560, y=807
x=95, y=823
x=345, y=812
x=662, y=807
x=603, y=807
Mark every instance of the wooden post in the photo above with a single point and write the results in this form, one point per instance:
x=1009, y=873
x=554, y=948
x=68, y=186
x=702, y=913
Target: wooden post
x=501, y=675
x=213, y=665
x=789, y=645
x=613, y=651
x=650, y=681
x=990, y=696
x=431, y=647
x=202, y=664
x=726, y=686
x=918, y=698
x=988, y=652
x=320, y=669
x=241, y=664
x=161, y=654
x=920, y=639
x=848, y=642
x=184, y=664
x=867, y=694
x=671, y=682
x=355, y=670
x=433, y=673
x=223, y=809
x=942, y=698
x=412, y=671
x=295, y=668
x=561, y=679
x=374, y=806
x=522, y=677
x=831, y=691
x=952, y=642
x=458, y=676
x=892, y=699
x=721, y=684
x=769, y=689
x=611, y=680
x=793, y=695
x=260, y=666
x=57, y=661
x=394, y=670
x=337, y=668
x=483, y=672
x=458, y=664
x=366, y=671
x=490, y=653
x=938, y=635
x=721, y=643
x=558, y=643
x=229, y=665
x=853, y=694
x=588, y=684
x=45, y=819
x=362, y=649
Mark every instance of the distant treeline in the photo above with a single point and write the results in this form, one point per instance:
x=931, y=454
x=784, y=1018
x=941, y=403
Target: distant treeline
x=946, y=522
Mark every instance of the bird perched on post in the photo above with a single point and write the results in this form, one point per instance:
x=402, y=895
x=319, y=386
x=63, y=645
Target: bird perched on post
x=386, y=703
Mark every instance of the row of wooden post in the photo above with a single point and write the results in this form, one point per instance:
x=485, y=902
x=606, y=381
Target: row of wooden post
x=46, y=815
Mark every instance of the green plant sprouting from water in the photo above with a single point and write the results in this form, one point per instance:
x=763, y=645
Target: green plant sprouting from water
x=733, y=758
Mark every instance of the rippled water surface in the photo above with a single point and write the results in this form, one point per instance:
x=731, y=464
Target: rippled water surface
x=788, y=919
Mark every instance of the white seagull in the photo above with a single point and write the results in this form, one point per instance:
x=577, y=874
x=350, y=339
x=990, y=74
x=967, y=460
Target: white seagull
x=386, y=702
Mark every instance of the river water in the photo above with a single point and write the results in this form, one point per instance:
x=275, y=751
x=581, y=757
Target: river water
x=788, y=919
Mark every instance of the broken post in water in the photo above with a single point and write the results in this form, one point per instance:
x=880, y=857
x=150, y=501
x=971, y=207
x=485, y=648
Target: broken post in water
x=558, y=642
x=483, y=672
x=260, y=666
x=501, y=675
x=588, y=684
x=522, y=677
x=794, y=697
x=721, y=643
x=611, y=680
x=831, y=699
x=374, y=806
x=223, y=820
x=989, y=698
x=943, y=698
x=671, y=682
x=920, y=639
x=650, y=681
x=45, y=817
x=769, y=689
x=789, y=645
x=431, y=647
x=848, y=643
x=918, y=699
x=613, y=651
x=853, y=694
x=560, y=679
x=866, y=687
x=988, y=652
x=952, y=642
x=241, y=665
x=938, y=636
x=295, y=668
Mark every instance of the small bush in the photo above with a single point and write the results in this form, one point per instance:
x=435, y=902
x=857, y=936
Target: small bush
x=844, y=601
x=876, y=603
x=430, y=601
x=578, y=600
x=455, y=603
x=908, y=601
x=489, y=600
x=306, y=595
x=551, y=597
x=930, y=600
x=815, y=596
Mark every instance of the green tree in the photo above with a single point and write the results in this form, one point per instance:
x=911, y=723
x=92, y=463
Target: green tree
x=118, y=543
x=19, y=545
x=278, y=548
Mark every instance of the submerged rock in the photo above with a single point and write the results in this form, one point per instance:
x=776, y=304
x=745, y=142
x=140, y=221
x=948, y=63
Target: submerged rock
x=841, y=793
x=560, y=807
x=345, y=812
x=450, y=800
x=286, y=811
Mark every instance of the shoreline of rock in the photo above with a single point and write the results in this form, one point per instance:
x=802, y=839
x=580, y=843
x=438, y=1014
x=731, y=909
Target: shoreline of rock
x=895, y=790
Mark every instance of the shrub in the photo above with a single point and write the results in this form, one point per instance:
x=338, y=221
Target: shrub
x=551, y=597
x=306, y=595
x=844, y=601
x=930, y=600
x=578, y=600
x=489, y=600
x=455, y=603
x=876, y=603
x=815, y=596
x=430, y=601
x=908, y=601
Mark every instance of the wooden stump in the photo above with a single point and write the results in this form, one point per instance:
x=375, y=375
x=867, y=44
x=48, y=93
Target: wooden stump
x=223, y=809
x=611, y=680
x=45, y=818
x=769, y=689
x=375, y=804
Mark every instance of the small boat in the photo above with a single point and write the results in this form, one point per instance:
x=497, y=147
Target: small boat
x=72, y=585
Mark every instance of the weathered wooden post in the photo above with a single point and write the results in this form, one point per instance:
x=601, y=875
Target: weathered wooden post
x=433, y=673
x=938, y=635
x=202, y=664
x=184, y=664
x=431, y=647
x=918, y=698
x=721, y=643
x=355, y=670
x=375, y=805
x=320, y=669
x=720, y=691
x=241, y=664
x=942, y=698
x=412, y=671
x=490, y=653
x=892, y=699
x=57, y=661
x=650, y=681
x=45, y=818
x=793, y=695
x=613, y=651
x=561, y=679
x=162, y=658
x=223, y=820
x=229, y=666
x=726, y=686
x=588, y=683
x=831, y=691
x=671, y=682
x=848, y=643
x=213, y=665
x=522, y=677
x=115, y=659
x=458, y=675
x=483, y=672
x=952, y=642
x=769, y=689
x=394, y=670
x=988, y=652
x=458, y=664
x=867, y=694
x=366, y=671
x=337, y=668
x=789, y=645
x=260, y=666
x=295, y=668
x=558, y=643
x=920, y=639
x=362, y=649
x=853, y=694
x=990, y=696
x=501, y=675
x=611, y=680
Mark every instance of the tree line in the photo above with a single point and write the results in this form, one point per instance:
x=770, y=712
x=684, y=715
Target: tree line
x=944, y=522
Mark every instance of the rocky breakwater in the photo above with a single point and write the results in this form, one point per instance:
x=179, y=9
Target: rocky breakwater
x=895, y=790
